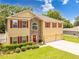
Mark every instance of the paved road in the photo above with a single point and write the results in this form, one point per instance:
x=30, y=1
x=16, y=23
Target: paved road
x=66, y=46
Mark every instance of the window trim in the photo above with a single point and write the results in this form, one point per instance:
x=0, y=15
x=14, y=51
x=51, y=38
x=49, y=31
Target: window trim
x=59, y=25
x=24, y=24
x=54, y=24
x=47, y=24
x=13, y=23
x=24, y=37
x=34, y=25
x=13, y=38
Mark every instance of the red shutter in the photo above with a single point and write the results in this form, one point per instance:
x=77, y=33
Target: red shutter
x=19, y=24
x=10, y=40
x=27, y=24
x=26, y=38
x=19, y=39
x=10, y=23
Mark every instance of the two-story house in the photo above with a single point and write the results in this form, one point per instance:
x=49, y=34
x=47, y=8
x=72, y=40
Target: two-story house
x=27, y=26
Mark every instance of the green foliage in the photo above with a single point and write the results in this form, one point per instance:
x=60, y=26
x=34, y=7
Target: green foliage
x=28, y=47
x=76, y=23
x=35, y=46
x=8, y=52
x=40, y=40
x=4, y=50
x=54, y=14
x=23, y=48
x=67, y=24
x=17, y=50
x=14, y=46
x=2, y=26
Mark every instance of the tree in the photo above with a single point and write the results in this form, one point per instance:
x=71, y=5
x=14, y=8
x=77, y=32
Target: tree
x=76, y=23
x=2, y=26
x=67, y=24
x=54, y=14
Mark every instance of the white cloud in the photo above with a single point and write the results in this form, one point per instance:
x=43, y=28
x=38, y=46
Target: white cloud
x=77, y=1
x=65, y=2
x=48, y=5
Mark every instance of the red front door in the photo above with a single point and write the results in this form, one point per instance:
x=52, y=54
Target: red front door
x=34, y=38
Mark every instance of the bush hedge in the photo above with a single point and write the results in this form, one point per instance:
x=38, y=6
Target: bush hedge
x=23, y=48
x=14, y=46
x=17, y=50
x=17, y=47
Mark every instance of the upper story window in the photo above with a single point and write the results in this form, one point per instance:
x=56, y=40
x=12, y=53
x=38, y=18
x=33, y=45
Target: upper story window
x=23, y=24
x=59, y=25
x=34, y=26
x=47, y=24
x=54, y=25
x=14, y=23
x=18, y=24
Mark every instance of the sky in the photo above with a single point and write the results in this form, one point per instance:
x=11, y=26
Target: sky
x=68, y=8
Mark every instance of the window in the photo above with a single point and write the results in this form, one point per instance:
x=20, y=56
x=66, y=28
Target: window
x=54, y=25
x=14, y=23
x=59, y=25
x=23, y=39
x=23, y=24
x=47, y=24
x=14, y=40
x=34, y=26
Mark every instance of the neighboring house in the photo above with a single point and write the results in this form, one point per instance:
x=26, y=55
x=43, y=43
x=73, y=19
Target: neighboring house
x=26, y=26
x=72, y=31
x=2, y=38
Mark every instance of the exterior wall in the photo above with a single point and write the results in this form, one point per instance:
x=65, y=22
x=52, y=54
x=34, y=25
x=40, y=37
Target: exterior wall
x=15, y=32
x=36, y=32
x=52, y=34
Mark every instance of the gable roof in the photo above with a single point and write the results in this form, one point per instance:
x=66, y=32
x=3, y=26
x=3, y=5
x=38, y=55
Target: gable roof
x=22, y=15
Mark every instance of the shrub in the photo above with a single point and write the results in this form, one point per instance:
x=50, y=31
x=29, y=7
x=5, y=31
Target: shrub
x=28, y=47
x=17, y=50
x=35, y=46
x=11, y=52
x=4, y=49
x=0, y=44
x=8, y=52
x=29, y=43
x=40, y=40
x=23, y=48
x=0, y=48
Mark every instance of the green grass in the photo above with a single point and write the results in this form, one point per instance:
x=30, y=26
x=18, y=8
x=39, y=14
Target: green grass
x=41, y=53
x=71, y=38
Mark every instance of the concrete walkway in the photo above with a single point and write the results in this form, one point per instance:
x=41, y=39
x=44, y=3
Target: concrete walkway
x=66, y=46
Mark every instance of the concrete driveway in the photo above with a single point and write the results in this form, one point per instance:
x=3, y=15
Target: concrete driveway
x=65, y=46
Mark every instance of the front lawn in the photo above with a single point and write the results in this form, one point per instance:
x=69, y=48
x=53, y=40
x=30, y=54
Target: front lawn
x=41, y=53
x=71, y=38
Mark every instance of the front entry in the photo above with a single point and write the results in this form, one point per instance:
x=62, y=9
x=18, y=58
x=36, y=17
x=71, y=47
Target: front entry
x=34, y=38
